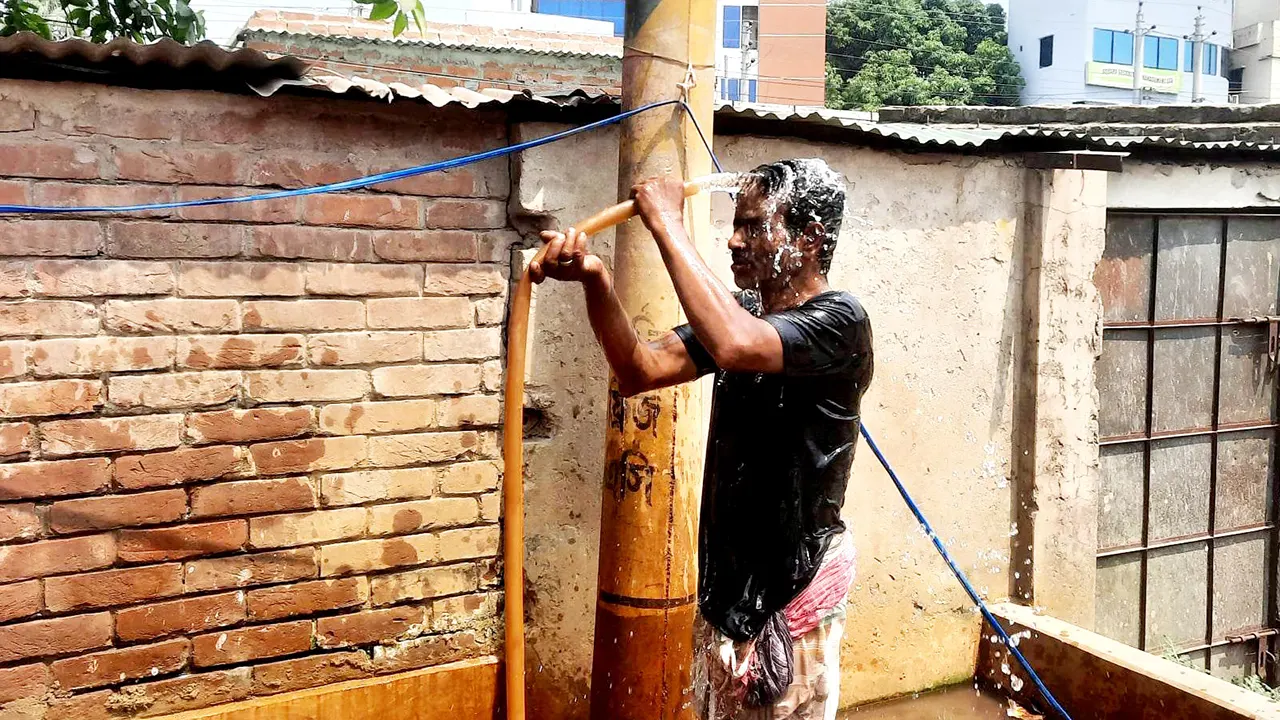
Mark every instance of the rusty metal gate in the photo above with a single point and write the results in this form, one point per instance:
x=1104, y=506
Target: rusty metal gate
x=1187, y=506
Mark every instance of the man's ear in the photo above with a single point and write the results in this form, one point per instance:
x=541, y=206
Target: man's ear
x=813, y=237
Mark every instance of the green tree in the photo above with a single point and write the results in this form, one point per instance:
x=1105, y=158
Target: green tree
x=918, y=52
x=103, y=20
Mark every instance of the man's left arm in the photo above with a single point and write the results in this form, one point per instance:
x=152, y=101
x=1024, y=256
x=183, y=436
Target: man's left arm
x=737, y=340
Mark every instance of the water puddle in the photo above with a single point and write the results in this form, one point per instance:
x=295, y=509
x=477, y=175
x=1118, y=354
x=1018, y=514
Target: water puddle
x=959, y=702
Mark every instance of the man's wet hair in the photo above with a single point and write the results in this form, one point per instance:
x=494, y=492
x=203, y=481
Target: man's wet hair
x=810, y=192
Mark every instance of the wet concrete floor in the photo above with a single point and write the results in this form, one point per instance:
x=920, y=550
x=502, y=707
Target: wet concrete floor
x=960, y=702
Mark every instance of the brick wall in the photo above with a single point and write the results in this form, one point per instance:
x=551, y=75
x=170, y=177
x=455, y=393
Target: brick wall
x=252, y=448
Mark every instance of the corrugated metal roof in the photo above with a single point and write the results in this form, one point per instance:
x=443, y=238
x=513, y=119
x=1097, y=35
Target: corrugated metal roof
x=445, y=35
x=437, y=95
x=166, y=53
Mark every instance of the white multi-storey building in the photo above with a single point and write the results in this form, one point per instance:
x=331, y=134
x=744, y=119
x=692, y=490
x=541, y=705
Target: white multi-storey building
x=1255, y=63
x=1084, y=50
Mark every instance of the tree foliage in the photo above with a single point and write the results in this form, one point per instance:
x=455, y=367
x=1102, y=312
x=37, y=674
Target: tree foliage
x=103, y=20
x=918, y=52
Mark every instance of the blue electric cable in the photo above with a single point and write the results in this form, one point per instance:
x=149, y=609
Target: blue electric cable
x=915, y=510
x=354, y=184
x=368, y=180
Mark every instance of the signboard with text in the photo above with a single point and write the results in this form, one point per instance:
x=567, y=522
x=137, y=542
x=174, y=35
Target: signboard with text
x=1121, y=76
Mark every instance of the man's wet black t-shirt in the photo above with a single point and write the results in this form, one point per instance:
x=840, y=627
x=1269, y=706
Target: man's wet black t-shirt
x=778, y=458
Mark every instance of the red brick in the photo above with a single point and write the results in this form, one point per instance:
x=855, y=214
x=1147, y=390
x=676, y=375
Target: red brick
x=446, y=345
x=370, y=626
x=422, y=448
x=380, y=211
x=15, y=117
x=81, y=278
x=256, y=569
x=310, y=455
x=179, y=164
x=112, y=511
x=111, y=115
x=55, y=636
x=172, y=316
x=19, y=521
x=56, y=159
x=239, y=351
x=305, y=528
x=304, y=315
x=287, y=241
x=103, y=435
x=490, y=507
x=425, y=313
x=306, y=598
x=75, y=194
x=464, y=280
x=253, y=643
x=424, y=583
x=253, y=497
x=83, y=706
x=185, y=692
x=47, y=479
x=14, y=192
x=55, y=397
x=470, y=543
x=185, y=541
x=113, y=666
x=180, y=466
x=43, y=318
x=380, y=554
x=93, y=356
x=339, y=279
x=289, y=170
x=469, y=478
x=173, y=391
x=306, y=385
x=205, y=279
x=185, y=615
x=23, y=681
x=13, y=279
x=50, y=237
x=416, y=380
x=426, y=246
x=15, y=439
x=13, y=359
x=469, y=411
x=364, y=348
x=19, y=600
x=283, y=210
x=430, y=514
x=112, y=587
x=462, y=611
x=465, y=213
x=432, y=650
x=248, y=425
x=377, y=417
x=308, y=672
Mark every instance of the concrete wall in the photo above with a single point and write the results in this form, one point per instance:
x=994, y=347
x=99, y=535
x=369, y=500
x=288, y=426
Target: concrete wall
x=933, y=247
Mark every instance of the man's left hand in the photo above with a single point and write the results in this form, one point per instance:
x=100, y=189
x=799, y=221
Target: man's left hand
x=660, y=202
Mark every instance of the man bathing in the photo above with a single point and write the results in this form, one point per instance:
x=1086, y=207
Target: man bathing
x=792, y=359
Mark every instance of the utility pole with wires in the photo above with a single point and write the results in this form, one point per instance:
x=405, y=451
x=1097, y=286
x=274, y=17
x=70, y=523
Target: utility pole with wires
x=1140, y=32
x=1197, y=55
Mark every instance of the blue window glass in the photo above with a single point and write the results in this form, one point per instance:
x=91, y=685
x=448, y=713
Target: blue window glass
x=751, y=91
x=732, y=89
x=1160, y=53
x=1189, y=55
x=1112, y=46
x=1210, y=61
x=607, y=10
x=732, y=26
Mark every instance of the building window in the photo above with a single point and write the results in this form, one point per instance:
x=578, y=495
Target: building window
x=1046, y=51
x=751, y=91
x=607, y=10
x=750, y=27
x=732, y=27
x=1224, y=66
x=1112, y=46
x=1160, y=53
x=737, y=90
x=731, y=87
x=1209, y=64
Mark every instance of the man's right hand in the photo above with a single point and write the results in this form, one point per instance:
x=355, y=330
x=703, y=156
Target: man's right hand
x=567, y=259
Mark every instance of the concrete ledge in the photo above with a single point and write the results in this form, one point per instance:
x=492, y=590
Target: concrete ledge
x=1097, y=678
x=466, y=690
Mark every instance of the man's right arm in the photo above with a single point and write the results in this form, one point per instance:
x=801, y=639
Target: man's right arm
x=639, y=366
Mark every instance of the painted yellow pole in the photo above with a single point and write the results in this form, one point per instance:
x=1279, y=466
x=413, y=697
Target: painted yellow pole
x=654, y=442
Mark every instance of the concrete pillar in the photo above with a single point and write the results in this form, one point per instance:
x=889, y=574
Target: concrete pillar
x=654, y=443
x=1056, y=409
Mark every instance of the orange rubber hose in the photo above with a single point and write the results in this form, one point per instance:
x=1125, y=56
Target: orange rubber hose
x=513, y=457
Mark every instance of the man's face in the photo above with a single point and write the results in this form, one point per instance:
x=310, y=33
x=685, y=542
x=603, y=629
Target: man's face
x=761, y=246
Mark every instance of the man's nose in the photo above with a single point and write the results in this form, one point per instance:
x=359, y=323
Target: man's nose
x=735, y=241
